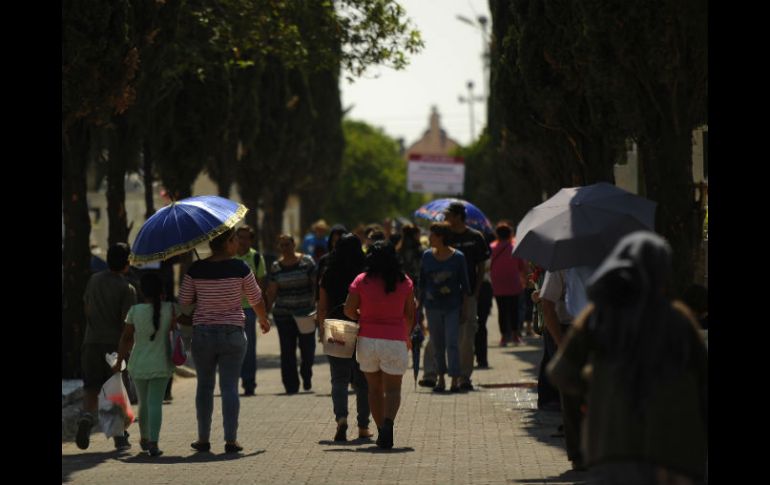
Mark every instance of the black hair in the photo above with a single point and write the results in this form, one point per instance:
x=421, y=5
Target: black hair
x=377, y=235
x=336, y=230
x=117, y=256
x=372, y=228
x=410, y=238
x=248, y=229
x=459, y=209
x=381, y=261
x=347, y=259
x=152, y=289
x=286, y=235
x=218, y=242
x=503, y=232
x=443, y=230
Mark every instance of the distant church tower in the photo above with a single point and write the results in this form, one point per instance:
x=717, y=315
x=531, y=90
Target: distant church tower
x=435, y=140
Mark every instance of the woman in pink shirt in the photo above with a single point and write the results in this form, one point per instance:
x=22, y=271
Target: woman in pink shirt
x=508, y=275
x=382, y=300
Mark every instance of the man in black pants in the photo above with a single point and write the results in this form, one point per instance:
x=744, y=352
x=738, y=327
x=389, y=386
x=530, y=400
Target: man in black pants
x=107, y=298
x=557, y=324
x=484, y=309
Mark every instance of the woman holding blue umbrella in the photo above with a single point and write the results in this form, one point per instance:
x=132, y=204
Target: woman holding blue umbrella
x=215, y=285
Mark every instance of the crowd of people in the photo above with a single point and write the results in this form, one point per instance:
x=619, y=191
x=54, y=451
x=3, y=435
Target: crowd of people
x=618, y=352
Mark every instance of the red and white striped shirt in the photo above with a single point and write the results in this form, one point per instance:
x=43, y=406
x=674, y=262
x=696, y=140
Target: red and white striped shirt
x=216, y=287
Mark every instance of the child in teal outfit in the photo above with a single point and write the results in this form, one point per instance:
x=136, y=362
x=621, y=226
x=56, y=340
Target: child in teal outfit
x=145, y=336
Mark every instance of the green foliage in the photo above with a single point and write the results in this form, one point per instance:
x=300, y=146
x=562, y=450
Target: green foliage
x=98, y=62
x=375, y=32
x=371, y=185
x=571, y=80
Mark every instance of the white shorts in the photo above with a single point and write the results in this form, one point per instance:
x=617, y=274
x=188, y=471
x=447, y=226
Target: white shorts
x=389, y=356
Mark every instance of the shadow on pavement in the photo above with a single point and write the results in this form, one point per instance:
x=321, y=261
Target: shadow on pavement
x=522, y=397
x=194, y=458
x=83, y=461
x=355, y=442
x=374, y=449
x=569, y=477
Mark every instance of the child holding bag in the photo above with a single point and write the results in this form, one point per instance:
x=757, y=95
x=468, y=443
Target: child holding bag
x=146, y=338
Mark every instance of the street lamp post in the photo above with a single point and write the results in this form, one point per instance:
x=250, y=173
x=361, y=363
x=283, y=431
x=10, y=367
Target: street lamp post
x=470, y=100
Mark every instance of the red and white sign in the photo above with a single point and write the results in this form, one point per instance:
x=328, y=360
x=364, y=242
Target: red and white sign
x=435, y=174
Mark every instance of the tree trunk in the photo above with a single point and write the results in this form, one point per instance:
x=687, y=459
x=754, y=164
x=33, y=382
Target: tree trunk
x=274, y=203
x=116, y=182
x=149, y=200
x=667, y=159
x=311, y=202
x=227, y=164
x=252, y=217
x=76, y=255
x=599, y=160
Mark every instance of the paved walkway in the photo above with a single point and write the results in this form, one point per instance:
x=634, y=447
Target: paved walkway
x=493, y=435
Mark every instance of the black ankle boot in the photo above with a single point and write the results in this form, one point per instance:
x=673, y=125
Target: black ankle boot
x=385, y=435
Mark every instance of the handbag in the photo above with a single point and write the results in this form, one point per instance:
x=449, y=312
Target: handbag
x=178, y=351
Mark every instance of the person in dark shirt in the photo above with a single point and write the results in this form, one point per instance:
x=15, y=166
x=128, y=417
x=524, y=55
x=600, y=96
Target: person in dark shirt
x=107, y=298
x=346, y=261
x=476, y=250
x=334, y=235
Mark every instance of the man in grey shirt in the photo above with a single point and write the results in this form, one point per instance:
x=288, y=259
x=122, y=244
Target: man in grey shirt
x=107, y=298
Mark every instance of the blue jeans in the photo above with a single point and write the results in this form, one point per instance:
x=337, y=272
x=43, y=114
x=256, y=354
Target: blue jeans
x=225, y=346
x=344, y=372
x=249, y=367
x=444, y=326
x=289, y=337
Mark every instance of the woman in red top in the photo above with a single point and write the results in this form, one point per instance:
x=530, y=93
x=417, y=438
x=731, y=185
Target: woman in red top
x=382, y=300
x=508, y=274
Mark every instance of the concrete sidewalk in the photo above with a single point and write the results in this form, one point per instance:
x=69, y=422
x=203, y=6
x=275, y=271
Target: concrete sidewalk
x=492, y=435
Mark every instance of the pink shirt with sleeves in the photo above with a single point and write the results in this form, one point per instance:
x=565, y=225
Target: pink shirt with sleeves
x=382, y=315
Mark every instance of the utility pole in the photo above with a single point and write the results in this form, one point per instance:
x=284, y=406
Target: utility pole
x=470, y=100
x=481, y=24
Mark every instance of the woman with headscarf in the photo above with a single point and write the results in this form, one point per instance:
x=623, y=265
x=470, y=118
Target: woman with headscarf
x=382, y=300
x=638, y=359
x=346, y=261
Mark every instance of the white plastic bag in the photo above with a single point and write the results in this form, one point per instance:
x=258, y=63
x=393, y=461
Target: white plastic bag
x=115, y=413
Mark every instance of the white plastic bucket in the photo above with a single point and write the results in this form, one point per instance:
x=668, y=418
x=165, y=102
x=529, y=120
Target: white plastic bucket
x=340, y=338
x=305, y=324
